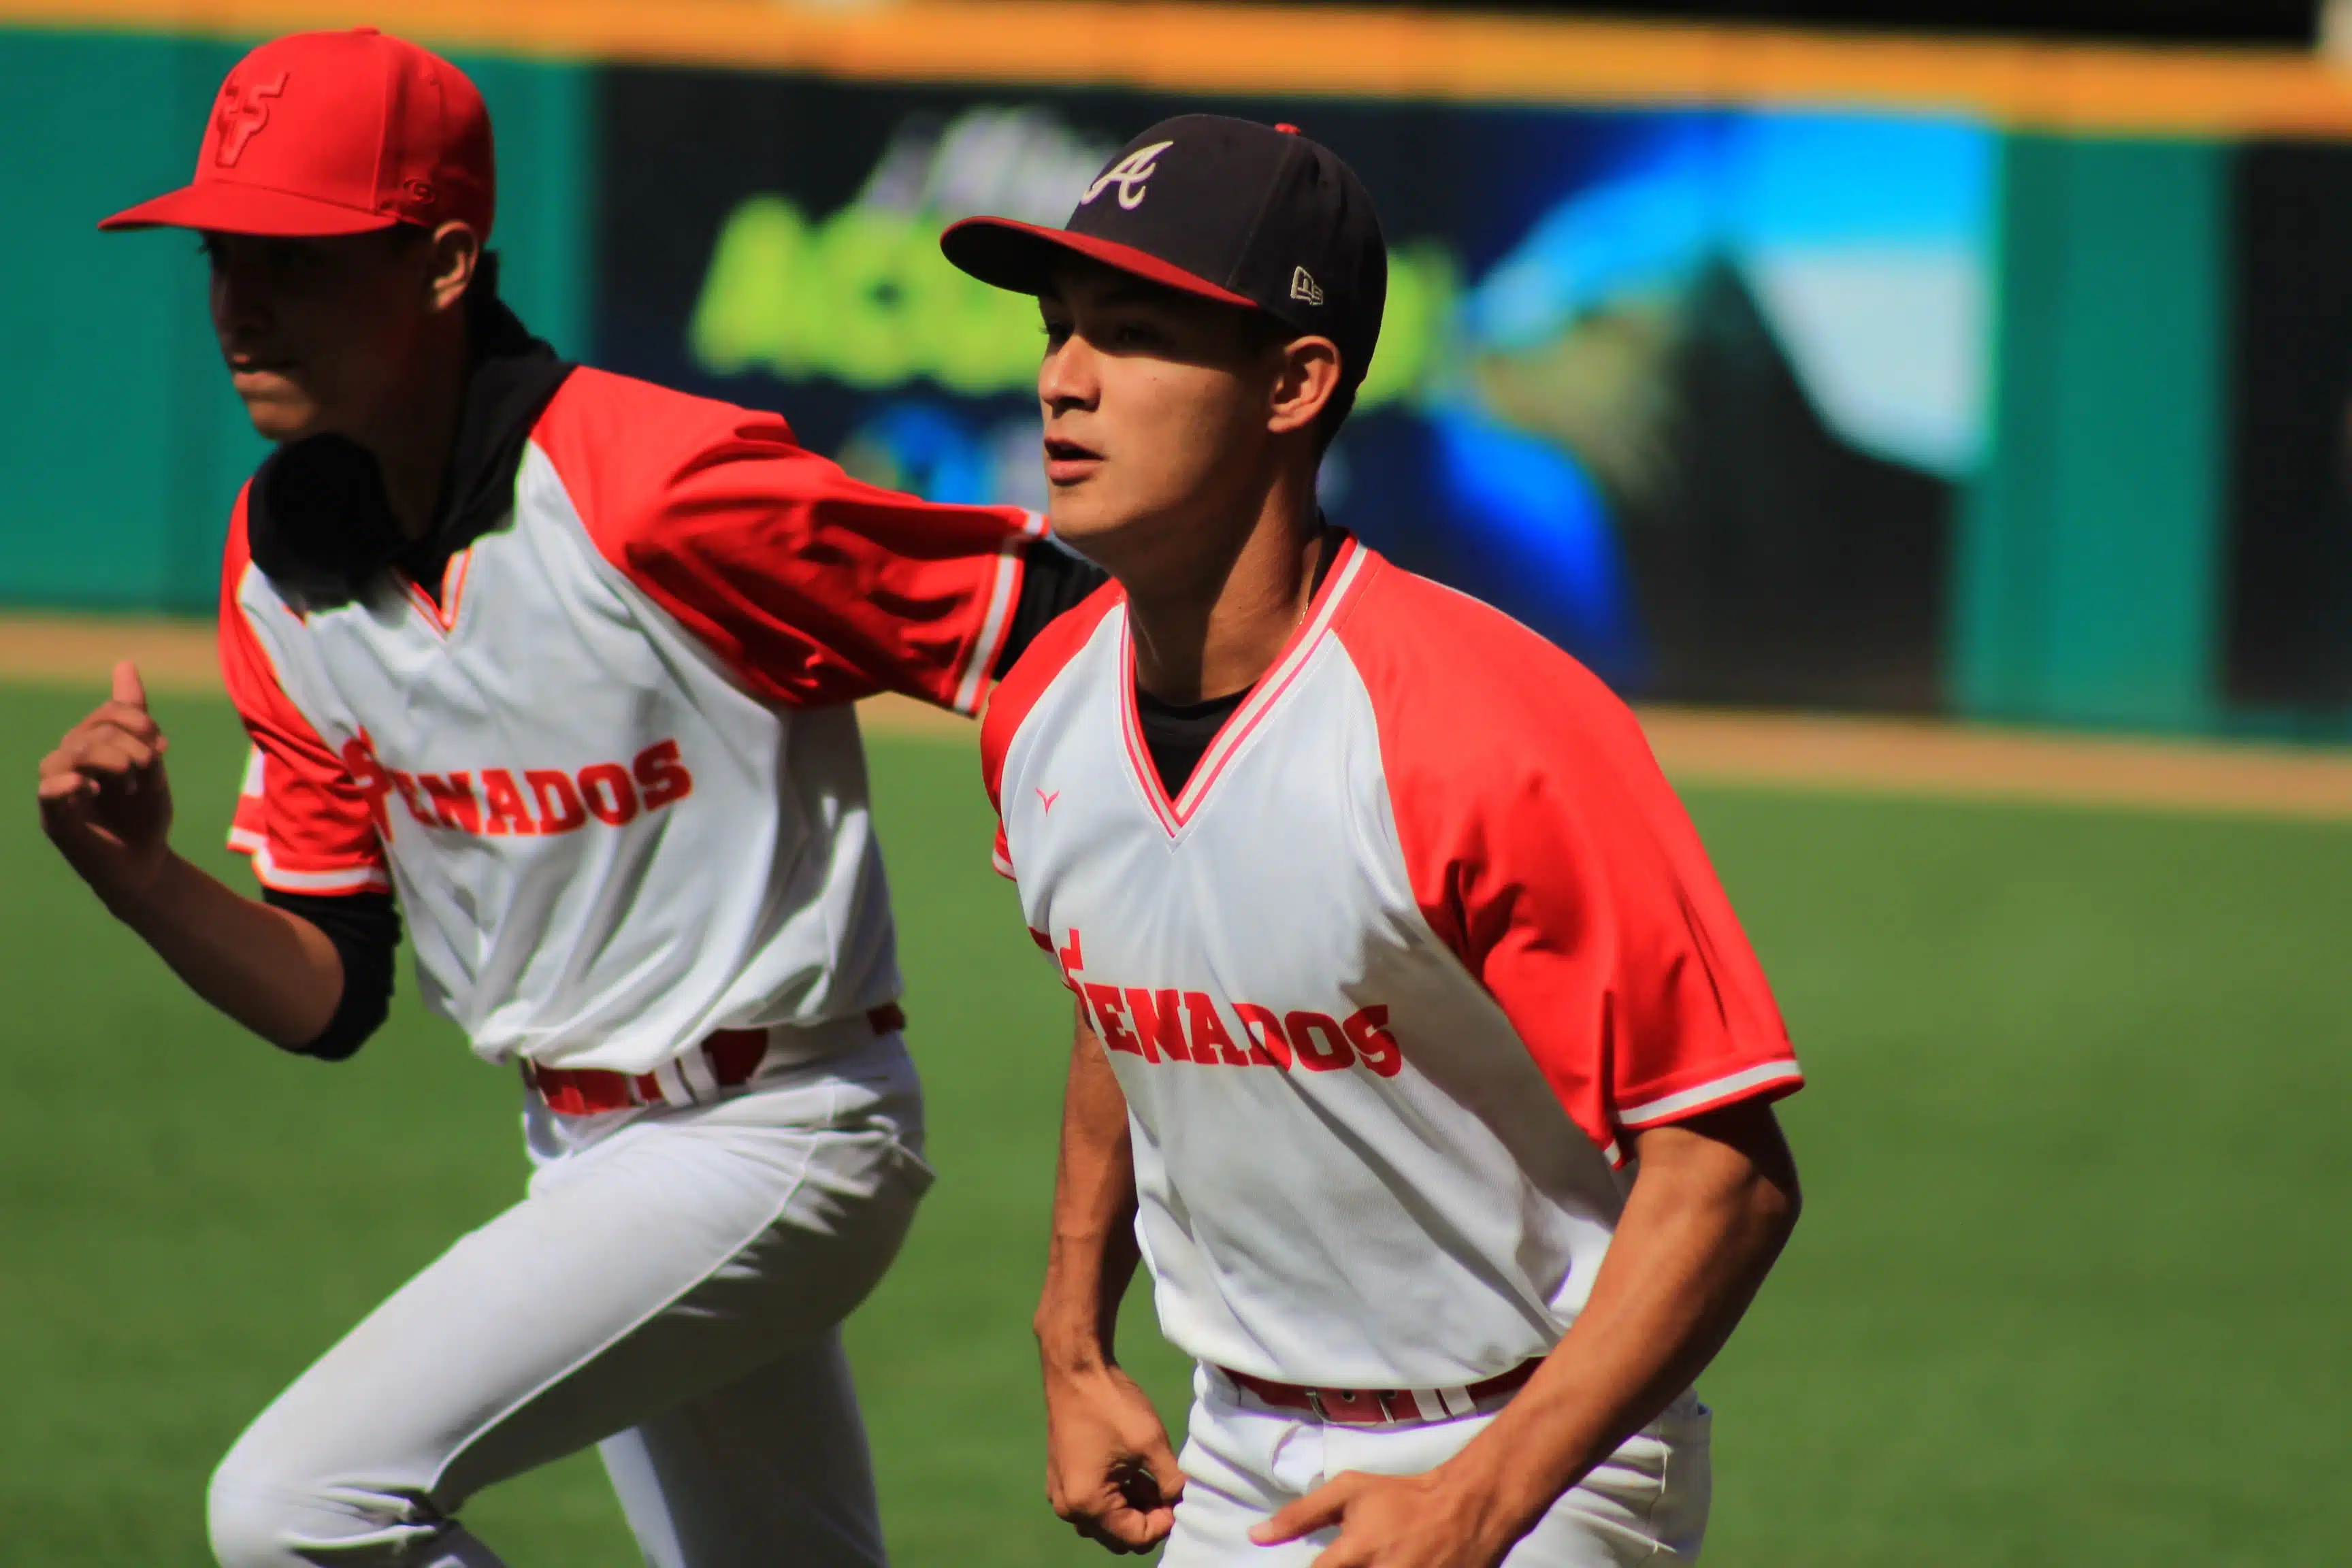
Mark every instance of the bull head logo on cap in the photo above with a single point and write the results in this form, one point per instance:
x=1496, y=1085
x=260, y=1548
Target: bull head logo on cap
x=243, y=110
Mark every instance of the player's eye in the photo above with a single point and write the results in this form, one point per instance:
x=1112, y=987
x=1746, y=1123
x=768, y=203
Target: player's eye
x=290, y=258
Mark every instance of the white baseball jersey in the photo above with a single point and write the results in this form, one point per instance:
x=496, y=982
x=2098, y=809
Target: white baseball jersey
x=1386, y=983
x=611, y=771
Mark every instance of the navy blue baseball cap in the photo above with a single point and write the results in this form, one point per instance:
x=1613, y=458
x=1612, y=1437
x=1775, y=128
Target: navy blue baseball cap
x=1227, y=209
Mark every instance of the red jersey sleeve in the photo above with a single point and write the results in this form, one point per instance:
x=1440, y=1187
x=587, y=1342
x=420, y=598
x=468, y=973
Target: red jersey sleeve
x=1549, y=852
x=308, y=824
x=815, y=588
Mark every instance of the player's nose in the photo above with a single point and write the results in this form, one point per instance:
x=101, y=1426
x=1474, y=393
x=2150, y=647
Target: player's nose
x=1070, y=377
x=242, y=307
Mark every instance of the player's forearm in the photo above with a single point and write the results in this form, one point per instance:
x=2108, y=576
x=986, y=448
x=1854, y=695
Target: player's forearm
x=1702, y=1227
x=1093, y=1253
x=273, y=972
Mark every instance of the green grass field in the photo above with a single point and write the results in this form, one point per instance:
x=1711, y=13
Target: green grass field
x=2072, y=1285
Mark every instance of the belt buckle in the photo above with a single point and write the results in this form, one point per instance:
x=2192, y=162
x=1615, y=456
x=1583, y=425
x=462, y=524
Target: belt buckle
x=1358, y=1406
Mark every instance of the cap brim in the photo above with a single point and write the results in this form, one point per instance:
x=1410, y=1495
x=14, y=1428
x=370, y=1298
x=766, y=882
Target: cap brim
x=1021, y=257
x=224, y=208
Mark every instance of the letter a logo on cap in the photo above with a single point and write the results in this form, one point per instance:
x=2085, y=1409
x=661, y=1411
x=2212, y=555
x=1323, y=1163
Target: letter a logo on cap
x=243, y=110
x=1129, y=175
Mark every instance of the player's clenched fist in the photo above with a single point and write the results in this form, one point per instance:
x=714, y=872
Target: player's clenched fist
x=105, y=802
x=1110, y=1469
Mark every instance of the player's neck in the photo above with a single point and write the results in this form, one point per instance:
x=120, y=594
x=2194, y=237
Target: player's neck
x=1208, y=625
x=413, y=443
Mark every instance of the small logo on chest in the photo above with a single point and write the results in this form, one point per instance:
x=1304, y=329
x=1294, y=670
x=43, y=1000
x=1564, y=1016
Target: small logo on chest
x=1047, y=801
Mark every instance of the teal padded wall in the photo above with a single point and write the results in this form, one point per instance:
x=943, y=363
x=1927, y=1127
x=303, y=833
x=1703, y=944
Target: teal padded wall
x=2088, y=578
x=120, y=441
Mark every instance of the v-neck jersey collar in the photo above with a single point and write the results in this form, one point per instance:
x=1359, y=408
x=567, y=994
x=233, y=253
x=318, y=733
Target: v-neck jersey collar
x=1349, y=564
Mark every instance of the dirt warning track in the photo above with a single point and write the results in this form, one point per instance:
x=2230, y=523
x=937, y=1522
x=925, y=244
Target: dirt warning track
x=1883, y=756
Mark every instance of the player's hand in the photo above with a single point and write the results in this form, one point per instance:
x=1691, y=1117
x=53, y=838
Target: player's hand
x=1432, y=1520
x=105, y=800
x=1110, y=1469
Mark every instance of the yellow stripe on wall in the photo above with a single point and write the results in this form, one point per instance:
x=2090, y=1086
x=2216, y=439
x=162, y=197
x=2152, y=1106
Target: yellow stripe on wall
x=1334, y=52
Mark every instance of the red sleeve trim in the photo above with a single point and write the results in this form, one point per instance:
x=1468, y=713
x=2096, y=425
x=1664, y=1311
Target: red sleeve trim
x=270, y=874
x=1767, y=1081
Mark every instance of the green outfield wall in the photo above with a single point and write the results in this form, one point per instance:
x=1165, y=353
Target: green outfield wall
x=2089, y=550
x=2113, y=557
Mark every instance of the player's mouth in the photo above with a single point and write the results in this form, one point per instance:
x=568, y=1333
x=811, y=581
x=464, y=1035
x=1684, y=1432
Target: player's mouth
x=241, y=365
x=1066, y=462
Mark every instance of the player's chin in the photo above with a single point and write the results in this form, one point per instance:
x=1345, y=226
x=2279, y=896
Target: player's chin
x=281, y=409
x=1083, y=508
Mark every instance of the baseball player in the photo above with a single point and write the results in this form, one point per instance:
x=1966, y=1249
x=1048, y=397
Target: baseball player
x=555, y=664
x=1419, y=1053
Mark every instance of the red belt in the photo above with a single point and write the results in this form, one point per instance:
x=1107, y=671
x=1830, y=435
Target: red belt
x=733, y=1055
x=1385, y=1406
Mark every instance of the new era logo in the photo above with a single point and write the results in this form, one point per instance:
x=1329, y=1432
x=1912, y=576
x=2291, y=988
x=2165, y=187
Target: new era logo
x=1303, y=287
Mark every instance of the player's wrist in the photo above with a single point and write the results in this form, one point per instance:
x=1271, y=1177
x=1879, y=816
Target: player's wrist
x=134, y=884
x=1072, y=1349
x=1075, y=1323
x=1494, y=1503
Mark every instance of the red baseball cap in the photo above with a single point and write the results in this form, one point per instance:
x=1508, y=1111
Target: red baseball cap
x=324, y=134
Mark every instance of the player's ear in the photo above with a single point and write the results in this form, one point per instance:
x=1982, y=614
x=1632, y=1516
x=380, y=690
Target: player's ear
x=457, y=255
x=1304, y=384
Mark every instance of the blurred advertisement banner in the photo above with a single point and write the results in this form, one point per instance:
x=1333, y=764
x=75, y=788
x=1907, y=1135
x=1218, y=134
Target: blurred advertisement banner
x=1690, y=392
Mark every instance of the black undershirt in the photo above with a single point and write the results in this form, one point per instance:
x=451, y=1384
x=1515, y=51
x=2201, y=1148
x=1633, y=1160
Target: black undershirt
x=365, y=929
x=1178, y=734
x=1053, y=578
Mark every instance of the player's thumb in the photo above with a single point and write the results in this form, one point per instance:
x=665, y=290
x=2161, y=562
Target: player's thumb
x=128, y=687
x=1171, y=1480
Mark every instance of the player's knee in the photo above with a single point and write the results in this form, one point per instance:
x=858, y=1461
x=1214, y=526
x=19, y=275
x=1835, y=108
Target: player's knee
x=252, y=1521
x=264, y=1513
x=261, y=1516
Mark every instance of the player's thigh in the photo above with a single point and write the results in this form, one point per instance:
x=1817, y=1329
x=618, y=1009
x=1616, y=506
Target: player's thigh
x=669, y=1263
x=770, y=1467
x=1647, y=1503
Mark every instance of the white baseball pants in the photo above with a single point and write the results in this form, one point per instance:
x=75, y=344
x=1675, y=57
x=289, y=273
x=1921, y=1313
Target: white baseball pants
x=1244, y=1459
x=671, y=1290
